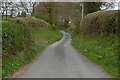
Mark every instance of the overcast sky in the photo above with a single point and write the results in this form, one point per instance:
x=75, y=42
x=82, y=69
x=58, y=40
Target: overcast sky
x=116, y=7
x=66, y=0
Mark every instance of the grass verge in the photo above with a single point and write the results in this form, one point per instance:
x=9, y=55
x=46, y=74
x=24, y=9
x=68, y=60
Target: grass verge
x=45, y=36
x=102, y=50
x=12, y=64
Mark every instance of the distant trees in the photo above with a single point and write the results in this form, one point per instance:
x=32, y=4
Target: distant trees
x=4, y=9
x=8, y=8
x=28, y=7
x=56, y=13
x=63, y=14
x=90, y=7
x=23, y=14
x=59, y=14
x=14, y=9
x=49, y=7
x=108, y=5
x=46, y=11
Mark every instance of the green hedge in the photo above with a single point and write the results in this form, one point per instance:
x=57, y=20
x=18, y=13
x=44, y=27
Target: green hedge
x=15, y=37
x=100, y=22
x=18, y=36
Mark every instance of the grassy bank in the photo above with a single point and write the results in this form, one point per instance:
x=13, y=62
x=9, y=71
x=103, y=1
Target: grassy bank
x=46, y=36
x=19, y=35
x=41, y=31
x=98, y=39
x=102, y=50
x=12, y=64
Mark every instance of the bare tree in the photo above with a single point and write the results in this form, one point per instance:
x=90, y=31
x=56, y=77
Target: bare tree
x=3, y=9
x=6, y=9
x=29, y=7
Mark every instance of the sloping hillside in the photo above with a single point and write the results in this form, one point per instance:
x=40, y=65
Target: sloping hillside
x=98, y=39
x=20, y=36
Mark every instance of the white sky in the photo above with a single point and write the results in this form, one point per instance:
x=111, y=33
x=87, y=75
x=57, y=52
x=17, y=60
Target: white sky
x=65, y=0
x=116, y=7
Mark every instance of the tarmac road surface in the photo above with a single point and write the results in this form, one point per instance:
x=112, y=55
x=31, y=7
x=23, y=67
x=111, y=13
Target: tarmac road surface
x=61, y=60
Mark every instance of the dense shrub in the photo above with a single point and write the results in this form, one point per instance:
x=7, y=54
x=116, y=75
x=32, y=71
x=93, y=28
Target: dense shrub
x=33, y=22
x=15, y=38
x=100, y=22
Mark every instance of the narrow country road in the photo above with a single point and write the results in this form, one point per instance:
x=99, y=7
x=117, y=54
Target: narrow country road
x=61, y=60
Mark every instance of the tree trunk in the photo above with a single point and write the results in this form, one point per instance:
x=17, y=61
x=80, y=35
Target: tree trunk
x=82, y=10
x=2, y=15
x=33, y=9
x=6, y=10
